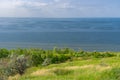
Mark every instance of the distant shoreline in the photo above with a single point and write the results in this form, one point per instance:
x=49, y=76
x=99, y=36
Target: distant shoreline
x=86, y=47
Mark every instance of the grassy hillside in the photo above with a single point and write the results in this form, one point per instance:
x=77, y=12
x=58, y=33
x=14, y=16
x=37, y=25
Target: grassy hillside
x=90, y=69
x=58, y=64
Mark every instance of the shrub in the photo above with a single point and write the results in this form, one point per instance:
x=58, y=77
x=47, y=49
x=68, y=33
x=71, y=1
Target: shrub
x=66, y=51
x=65, y=57
x=58, y=58
x=80, y=53
x=108, y=54
x=45, y=57
x=4, y=53
x=21, y=64
x=2, y=75
x=55, y=58
x=96, y=55
x=37, y=58
x=46, y=62
x=17, y=65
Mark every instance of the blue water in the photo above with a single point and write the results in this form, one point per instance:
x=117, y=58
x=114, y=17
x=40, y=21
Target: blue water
x=101, y=34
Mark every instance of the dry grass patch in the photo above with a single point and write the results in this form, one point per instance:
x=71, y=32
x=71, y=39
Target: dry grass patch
x=72, y=67
x=45, y=72
x=42, y=72
x=96, y=67
x=16, y=77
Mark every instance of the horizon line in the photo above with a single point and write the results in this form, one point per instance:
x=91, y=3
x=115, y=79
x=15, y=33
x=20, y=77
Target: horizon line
x=59, y=17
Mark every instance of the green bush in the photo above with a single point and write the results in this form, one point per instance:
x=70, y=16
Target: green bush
x=37, y=58
x=96, y=54
x=40, y=57
x=80, y=53
x=108, y=54
x=4, y=53
x=55, y=58
x=58, y=58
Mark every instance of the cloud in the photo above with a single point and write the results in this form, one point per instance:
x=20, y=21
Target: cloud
x=20, y=8
x=20, y=3
x=64, y=5
x=57, y=8
x=34, y=4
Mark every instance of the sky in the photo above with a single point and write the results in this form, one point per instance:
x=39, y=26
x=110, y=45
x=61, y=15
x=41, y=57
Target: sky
x=59, y=8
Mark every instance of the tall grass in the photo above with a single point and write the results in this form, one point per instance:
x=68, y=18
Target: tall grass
x=18, y=60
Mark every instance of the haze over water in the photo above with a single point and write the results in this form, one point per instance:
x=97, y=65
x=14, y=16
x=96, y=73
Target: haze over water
x=101, y=34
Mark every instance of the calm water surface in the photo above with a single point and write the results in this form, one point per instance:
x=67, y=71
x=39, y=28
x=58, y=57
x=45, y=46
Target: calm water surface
x=101, y=34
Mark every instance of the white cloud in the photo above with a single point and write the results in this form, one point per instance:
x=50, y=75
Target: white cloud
x=65, y=5
x=19, y=8
x=20, y=3
x=52, y=8
x=34, y=4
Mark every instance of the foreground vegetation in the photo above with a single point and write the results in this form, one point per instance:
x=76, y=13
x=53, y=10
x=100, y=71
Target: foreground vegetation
x=58, y=64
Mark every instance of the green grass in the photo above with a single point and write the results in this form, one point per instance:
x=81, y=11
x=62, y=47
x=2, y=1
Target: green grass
x=59, y=64
x=90, y=69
